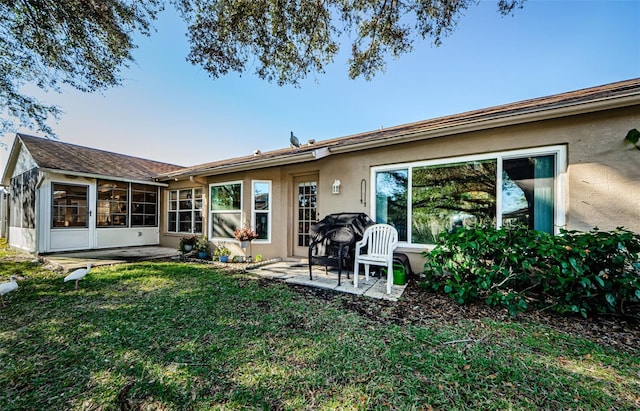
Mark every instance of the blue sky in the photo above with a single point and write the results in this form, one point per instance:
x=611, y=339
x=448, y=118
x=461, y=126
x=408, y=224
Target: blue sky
x=171, y=111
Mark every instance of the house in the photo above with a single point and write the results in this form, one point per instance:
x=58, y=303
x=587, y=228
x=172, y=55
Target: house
x=67, y=197
x=546, y=163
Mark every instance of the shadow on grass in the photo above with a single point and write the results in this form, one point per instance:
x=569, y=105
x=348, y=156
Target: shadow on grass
x=185, y=336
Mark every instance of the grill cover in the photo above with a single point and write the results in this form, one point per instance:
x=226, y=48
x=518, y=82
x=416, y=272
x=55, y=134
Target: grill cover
x=333, y=239
x=341, y=227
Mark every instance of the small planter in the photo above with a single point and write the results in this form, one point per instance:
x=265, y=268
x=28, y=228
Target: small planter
x=188, y=247
x=223, y=258
x=202, y=255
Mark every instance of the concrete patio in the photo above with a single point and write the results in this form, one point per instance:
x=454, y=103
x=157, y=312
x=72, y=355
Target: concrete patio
x=289, y=271
x=297, y=272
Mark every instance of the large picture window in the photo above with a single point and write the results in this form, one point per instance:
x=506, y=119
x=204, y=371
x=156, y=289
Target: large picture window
x=185, y=211
x=501, y=189
x=226, y=209
x=261, y=209
x=69, y=206
x=391, y=199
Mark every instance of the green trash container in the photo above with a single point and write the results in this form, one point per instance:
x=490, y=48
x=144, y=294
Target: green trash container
x=399, y=274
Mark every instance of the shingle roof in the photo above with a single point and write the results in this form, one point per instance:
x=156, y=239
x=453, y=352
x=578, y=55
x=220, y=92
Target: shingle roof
x=546, y=106
x=56, y=155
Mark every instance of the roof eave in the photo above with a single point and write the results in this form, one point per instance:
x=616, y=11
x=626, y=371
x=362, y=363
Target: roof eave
x=250, y=164
x=507, y=119
x=150, y=181
x=517, y=117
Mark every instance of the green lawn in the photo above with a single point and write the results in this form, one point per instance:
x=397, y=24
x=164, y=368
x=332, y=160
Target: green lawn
x=189, y=337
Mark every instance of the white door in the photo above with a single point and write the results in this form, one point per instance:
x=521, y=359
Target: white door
x=71, y=222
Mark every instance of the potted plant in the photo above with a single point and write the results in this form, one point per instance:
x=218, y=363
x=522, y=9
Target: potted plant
x=202, y=246
x=187, y=243
x=245, y=236
x=222, y=253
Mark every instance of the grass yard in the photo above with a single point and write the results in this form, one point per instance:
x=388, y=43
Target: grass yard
x=180, y=336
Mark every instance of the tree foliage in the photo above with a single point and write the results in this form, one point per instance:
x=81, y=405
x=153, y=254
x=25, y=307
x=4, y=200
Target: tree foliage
x=86, y=43
x=49, y=43
x=285, y=40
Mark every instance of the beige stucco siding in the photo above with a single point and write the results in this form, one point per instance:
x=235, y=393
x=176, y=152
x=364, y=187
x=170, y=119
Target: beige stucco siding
x=602, y=182
x=603, y=175
x=604, y=172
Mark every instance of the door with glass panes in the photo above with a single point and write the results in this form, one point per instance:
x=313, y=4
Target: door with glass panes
x=305, y=212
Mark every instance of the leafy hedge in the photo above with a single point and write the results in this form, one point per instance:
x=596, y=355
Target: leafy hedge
x=585, y=272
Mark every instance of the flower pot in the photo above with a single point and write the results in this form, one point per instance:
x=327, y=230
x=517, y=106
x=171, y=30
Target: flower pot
x=188, y=247
x=224, y=258
x=244, y=244
x=202, y=255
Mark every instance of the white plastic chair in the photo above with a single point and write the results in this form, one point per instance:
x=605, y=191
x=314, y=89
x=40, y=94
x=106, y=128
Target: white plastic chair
x=380, y=240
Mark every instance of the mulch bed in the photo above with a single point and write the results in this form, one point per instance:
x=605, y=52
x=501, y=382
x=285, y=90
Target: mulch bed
x=421, y=307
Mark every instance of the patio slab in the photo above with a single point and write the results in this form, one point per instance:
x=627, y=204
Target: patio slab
x=298, y=273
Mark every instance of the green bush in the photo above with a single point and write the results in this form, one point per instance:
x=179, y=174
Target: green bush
x=584, y=272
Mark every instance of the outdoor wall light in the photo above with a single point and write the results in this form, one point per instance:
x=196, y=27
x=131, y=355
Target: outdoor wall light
x=335, y=188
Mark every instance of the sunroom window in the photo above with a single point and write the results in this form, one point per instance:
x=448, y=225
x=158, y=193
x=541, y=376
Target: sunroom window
x=122, y=204
x=226, y=209
x=113, y=202
x=144, y=205
x=430, y=197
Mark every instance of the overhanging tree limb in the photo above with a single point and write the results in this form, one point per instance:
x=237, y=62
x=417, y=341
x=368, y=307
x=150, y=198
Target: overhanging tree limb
x=48, y=43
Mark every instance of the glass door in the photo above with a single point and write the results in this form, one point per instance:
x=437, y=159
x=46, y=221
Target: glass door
x=305, y=213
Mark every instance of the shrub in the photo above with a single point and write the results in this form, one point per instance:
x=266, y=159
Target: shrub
x=592, y=272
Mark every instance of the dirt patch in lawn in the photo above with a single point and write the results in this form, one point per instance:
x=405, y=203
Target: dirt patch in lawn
x=424, y=308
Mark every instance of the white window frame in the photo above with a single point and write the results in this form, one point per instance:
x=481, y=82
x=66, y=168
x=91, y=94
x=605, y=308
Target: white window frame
x=211, y=212
x=268, y=211
x=193, y=210
x=560, y=175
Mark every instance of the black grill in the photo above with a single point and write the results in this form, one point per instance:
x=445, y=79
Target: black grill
x=333, y=239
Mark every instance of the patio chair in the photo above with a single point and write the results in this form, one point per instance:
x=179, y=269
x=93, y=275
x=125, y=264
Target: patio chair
x=380, y=240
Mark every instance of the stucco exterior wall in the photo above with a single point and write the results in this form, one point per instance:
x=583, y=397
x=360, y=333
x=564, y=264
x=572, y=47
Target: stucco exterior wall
x=602, y=179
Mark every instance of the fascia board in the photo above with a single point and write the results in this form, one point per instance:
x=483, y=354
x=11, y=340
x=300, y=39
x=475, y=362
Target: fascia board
x=510, y=119
x=499, y=120
x=250, y=165
x=101, y=176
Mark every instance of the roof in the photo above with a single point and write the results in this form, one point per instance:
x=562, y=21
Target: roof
x=609, y=96
x=74, y=159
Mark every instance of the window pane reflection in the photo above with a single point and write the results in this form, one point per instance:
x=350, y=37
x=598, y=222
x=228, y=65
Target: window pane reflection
x=445, y=197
